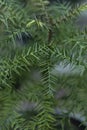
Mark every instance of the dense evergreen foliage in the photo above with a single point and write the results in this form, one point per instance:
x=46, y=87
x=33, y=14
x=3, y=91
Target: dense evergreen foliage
x=43, y=65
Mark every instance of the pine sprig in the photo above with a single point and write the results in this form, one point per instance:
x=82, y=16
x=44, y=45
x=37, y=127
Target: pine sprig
x=58, y=57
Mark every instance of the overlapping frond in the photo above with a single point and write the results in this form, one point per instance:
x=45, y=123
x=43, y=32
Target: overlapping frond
x=55, y=51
